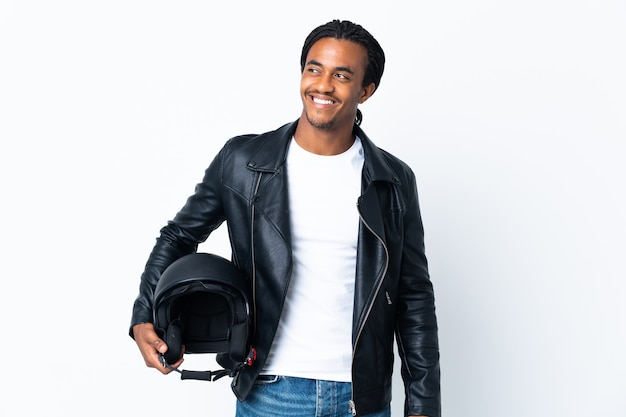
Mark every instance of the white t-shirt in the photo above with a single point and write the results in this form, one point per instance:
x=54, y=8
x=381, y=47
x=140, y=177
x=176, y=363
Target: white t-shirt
x=314, y=338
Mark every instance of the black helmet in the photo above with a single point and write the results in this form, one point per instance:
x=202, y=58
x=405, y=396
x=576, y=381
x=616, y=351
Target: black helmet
x=202, y=302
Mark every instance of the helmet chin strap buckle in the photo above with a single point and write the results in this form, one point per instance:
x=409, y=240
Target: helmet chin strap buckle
x=251, y=357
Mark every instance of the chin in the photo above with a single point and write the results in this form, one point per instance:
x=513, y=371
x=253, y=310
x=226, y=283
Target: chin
x=319, y=123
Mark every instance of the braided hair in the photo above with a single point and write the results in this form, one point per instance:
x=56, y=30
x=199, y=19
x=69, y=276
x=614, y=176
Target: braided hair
x=344, y=29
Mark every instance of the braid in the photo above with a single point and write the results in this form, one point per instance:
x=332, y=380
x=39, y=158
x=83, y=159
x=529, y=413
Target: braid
x=359, y=117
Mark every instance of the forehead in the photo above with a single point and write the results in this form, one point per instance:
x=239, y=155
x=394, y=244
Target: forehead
x=338, y=53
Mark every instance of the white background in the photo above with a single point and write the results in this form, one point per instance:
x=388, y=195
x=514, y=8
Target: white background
x=512, y=115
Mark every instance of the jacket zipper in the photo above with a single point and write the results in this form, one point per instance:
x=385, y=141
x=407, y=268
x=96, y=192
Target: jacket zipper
x=256, y=189
x=252, y=250
x=352, y=407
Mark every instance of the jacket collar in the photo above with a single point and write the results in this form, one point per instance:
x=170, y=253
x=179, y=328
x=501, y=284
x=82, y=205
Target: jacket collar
x=271, y=154
x=376, y=162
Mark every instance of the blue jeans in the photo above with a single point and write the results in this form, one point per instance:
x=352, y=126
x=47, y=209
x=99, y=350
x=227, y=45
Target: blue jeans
x=276, y=396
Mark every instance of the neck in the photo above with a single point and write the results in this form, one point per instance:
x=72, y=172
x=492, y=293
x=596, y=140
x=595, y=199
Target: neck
x=323, y=141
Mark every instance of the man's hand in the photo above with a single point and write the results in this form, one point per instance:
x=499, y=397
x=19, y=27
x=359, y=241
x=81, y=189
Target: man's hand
x=151, y=346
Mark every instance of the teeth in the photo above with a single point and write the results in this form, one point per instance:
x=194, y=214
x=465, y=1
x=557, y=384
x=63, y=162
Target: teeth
x=320, y=101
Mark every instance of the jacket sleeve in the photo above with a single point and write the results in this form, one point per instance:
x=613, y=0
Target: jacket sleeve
x=416, y=323
x=201, y=214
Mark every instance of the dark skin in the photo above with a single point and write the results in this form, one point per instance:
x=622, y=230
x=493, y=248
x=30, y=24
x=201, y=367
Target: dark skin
x=331, y=89
x=150, y=346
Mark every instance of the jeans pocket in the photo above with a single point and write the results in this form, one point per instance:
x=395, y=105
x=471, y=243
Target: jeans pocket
x=266, y=379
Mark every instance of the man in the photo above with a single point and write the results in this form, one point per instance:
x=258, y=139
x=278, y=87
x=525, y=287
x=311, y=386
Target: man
x=328, y=228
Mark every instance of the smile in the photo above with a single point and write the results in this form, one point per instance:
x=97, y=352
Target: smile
x=321, y=101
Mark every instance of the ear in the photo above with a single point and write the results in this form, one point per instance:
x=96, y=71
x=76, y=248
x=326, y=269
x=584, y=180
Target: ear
x=367, y=92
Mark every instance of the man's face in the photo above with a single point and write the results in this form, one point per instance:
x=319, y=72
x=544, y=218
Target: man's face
x=331, y=86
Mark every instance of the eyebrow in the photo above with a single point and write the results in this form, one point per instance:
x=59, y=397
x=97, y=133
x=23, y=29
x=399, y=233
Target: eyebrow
x=319, y=64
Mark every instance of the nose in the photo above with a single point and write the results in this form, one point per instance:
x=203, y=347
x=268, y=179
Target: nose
x=325, y=83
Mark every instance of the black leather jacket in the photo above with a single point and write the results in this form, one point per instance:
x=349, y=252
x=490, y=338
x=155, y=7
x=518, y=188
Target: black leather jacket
x=246, y=186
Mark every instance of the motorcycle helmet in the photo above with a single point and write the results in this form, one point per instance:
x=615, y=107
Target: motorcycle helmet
x=202, y=302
